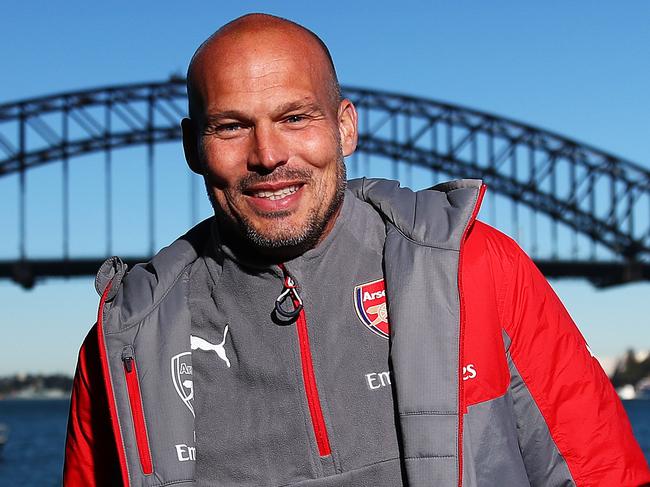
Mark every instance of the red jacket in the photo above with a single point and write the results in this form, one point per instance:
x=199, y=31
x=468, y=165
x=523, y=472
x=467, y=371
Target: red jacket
x=519, y=354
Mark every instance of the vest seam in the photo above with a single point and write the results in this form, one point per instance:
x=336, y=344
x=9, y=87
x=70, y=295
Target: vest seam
x=116, y=423
x=173, y=482
x=461, y=405
x=430, y=457
x=345, y=471
x=429, y=413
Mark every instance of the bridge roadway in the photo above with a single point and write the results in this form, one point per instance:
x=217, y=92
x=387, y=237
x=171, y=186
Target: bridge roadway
x=600, y=274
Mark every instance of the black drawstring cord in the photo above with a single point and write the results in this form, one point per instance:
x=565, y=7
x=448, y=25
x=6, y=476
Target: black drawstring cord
x=289, y=290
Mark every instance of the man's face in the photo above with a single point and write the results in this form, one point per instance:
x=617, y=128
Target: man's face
x=270, y=143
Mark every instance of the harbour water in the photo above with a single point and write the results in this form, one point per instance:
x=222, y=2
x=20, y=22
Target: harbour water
x=33, y=456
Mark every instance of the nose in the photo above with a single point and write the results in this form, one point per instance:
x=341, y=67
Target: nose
x=268, y=151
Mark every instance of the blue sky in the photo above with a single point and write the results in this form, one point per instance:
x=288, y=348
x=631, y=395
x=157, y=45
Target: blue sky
x=578, y=68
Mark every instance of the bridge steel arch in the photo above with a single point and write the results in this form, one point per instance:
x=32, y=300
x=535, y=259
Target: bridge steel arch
x=589, y=191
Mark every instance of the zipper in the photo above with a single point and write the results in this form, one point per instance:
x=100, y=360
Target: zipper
x=462, y=407
x=308, y=376
x=112, y=407
x=137, y=412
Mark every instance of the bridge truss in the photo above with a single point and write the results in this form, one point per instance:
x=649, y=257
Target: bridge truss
x=581, y=212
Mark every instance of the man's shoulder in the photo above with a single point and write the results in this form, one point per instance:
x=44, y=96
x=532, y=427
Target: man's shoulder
x=435, y=217
x=491, y=239
x=143, y=285
x=485, y=247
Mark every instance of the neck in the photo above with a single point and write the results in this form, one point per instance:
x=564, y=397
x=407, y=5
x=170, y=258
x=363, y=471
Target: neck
x=232, y=234
x=243, y=249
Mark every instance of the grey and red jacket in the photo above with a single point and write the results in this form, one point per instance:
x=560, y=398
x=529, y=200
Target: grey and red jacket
x=494, y=385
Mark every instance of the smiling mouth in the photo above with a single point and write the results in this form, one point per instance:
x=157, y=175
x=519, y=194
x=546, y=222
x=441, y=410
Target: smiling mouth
x=277, y=194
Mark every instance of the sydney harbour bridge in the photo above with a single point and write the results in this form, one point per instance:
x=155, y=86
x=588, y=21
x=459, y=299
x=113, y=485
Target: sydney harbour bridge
x=88, y=174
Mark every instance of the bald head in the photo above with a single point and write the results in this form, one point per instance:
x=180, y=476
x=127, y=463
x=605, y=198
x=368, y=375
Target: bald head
x=269, y=133
x=248, y=36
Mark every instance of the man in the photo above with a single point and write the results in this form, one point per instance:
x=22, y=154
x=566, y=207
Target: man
x=256, y=350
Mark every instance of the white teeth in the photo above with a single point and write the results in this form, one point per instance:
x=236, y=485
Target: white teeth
x=276, y=195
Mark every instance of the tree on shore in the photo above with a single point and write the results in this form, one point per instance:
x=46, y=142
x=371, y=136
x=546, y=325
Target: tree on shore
x=630, y=369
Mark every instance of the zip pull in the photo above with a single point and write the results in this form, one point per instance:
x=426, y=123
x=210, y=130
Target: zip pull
x=127, y=358
x=289, y=290
x=137, y=409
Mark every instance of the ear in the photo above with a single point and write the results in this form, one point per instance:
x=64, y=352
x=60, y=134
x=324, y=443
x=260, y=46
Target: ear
x=348, y=127
x=190, y=146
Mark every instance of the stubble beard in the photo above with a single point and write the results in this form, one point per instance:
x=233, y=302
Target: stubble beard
x=288, y=244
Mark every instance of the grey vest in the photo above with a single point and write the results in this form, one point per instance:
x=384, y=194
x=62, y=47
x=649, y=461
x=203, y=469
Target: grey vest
x=144, y=331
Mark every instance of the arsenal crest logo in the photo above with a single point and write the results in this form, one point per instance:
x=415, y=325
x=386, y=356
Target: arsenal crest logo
x=182, y=378
x=370, y=303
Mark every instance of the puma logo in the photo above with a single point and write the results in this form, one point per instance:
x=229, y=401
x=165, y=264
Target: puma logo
x=198, y=343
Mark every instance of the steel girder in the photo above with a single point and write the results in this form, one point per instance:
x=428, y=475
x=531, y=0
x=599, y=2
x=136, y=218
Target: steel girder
x=462, y=142
x=588, y=190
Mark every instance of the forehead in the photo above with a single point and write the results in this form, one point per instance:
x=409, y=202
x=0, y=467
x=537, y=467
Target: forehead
x=260, y=67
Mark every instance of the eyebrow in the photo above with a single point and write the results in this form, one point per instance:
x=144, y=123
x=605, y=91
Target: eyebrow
x=215, y=117
x=291, y=106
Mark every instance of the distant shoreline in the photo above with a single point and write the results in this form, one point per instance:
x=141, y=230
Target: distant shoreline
x=35, y=386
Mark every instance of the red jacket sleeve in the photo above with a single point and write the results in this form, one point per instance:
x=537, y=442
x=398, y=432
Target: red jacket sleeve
x=90, y=452
x=584, y=415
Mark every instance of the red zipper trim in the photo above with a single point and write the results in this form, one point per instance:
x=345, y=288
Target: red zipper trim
x=135, y=399
x=309, y=378
x=112, y=408
x=461, y=337
x=318, y=422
